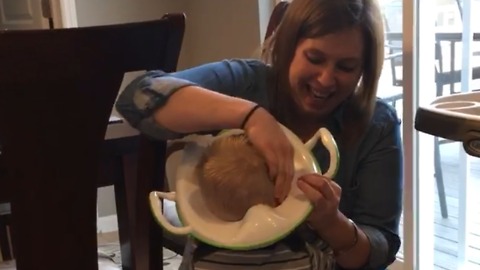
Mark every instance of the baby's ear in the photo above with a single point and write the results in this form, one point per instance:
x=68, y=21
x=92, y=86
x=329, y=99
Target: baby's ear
x=202, y=160
x=172, y=157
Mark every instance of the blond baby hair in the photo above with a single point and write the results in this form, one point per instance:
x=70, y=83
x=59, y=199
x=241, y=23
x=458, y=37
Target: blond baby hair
x=233, y=176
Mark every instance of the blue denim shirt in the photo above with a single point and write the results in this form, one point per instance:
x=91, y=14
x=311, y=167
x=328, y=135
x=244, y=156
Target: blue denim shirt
x=370, y=173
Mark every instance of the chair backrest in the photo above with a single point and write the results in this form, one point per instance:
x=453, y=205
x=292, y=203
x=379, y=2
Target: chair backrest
x=276, y=17
x=393, y=47
x=460, y=7
x=57, y=90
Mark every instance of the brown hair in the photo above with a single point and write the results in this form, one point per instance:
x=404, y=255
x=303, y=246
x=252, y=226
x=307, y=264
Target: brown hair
x=233, y=177
x=316, y=18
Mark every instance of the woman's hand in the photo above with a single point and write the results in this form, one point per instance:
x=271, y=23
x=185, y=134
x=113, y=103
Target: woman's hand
x=350, y=244
x=267, y=136
x=325, y=196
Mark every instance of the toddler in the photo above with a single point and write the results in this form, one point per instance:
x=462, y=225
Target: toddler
x=233, y=177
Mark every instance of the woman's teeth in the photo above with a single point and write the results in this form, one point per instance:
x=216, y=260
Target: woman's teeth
x=317, y=94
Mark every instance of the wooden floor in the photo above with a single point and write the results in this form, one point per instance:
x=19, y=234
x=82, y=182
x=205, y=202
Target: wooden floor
x=109, y=257
x=446, y=229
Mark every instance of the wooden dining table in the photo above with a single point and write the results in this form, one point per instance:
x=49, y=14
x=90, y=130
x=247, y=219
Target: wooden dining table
x=134, y=159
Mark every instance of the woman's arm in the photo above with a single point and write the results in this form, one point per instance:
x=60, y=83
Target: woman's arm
x=204, y=98
x=193, y=109
x=371, y=241
x=207, y=98
x=379, y=189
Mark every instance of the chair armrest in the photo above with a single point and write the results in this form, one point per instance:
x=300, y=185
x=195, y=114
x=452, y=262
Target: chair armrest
x=394, y=47
x=393, y=55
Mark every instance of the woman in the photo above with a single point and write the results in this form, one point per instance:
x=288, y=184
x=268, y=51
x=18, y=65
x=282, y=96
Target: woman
x=321, y=70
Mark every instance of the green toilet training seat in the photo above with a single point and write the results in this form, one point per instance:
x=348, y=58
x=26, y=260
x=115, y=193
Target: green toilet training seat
x=455, y=117
x=262, y=225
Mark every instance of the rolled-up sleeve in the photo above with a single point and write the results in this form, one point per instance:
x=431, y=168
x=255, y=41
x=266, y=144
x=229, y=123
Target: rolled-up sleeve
x=148, y=92
x=379, y=188
x=142, y=96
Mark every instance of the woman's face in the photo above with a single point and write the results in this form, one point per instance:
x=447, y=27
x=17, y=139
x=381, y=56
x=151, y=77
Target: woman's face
x=325, y=71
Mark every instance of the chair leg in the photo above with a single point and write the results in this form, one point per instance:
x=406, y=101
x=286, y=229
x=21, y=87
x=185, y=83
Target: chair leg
x=148, y=233
x=439, y=179
x=68, y=229
x=124, y=195
x=6, y=253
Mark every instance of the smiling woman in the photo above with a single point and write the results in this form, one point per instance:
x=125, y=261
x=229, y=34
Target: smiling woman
x=320, y=69
x=324, y=73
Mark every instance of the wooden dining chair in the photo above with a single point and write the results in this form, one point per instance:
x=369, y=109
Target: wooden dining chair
x=57, y=90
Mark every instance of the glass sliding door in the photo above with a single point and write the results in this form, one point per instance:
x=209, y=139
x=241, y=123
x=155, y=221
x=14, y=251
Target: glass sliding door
x=448, y=224
x=392, y=89
x=439, y=46
x=428, y=184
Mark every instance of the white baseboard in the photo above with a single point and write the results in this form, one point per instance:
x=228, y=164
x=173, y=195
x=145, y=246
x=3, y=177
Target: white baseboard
x=107, y=224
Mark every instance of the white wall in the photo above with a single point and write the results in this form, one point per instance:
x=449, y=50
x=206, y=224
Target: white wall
x=215, y=29
x=98, y=12
x=219, y=29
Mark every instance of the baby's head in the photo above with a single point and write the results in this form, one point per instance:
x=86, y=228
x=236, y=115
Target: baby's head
x=233, y=177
